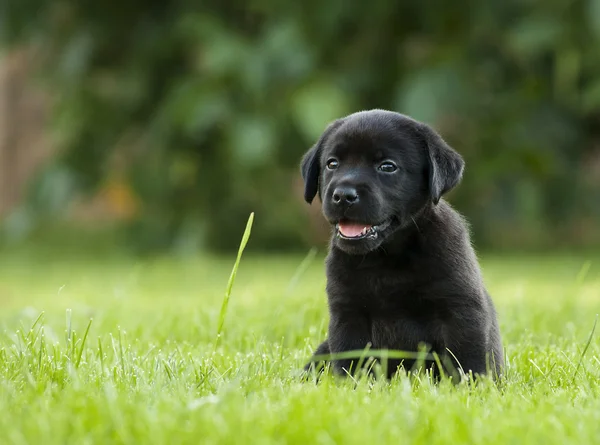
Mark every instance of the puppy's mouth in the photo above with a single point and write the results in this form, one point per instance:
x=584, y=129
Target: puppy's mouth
x=358, y=231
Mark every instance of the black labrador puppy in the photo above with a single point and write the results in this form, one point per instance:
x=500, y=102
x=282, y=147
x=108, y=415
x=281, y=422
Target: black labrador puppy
x=401, y=272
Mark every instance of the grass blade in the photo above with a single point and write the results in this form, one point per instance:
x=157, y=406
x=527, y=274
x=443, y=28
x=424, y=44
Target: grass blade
x=225, y=303
x=587, y=345
x=121, y=354
x=69, y=327
x=83, y=343
x=375, y=353
x=308, y=259
x=101, y=355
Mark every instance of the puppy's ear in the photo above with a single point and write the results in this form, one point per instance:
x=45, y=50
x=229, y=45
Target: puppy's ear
x=446, y=166
x=311, y=165
x=310, y=168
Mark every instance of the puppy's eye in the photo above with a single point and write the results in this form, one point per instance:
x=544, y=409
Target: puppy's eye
x=332, y=164
x=387, y=167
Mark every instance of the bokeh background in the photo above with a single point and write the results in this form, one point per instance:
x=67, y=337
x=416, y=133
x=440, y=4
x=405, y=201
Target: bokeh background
x=158, y=126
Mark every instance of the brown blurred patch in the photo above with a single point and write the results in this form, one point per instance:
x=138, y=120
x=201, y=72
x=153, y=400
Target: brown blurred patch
x=115, y=201
x=24, y=142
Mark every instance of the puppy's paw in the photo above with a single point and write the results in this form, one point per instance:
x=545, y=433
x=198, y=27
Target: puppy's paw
x=314, y=371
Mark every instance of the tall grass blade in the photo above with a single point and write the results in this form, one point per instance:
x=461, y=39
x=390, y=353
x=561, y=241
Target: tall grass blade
x=225, y=303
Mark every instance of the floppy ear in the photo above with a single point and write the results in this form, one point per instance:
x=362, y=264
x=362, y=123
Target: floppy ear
x=446, y=166
x=311, y=165
x=310, y=168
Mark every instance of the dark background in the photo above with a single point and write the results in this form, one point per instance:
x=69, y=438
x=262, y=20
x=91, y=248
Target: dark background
x=165, y=123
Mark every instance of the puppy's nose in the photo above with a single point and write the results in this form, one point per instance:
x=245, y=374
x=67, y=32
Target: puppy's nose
x=345, y=195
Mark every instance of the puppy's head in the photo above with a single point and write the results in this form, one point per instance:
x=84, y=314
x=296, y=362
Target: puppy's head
x=373, y=170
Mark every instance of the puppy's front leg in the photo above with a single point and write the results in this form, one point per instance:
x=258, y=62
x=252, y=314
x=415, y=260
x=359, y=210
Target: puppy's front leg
x=467, y=342
x=314, y=362
x=348, y=331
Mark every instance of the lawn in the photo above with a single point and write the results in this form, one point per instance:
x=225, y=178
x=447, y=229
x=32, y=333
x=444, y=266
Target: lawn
x=148, y=370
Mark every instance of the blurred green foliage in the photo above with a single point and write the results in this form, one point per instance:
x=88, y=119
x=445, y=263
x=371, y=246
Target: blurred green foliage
x=206, y=107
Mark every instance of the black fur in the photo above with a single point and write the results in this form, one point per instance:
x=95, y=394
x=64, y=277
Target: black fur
x=418, y=280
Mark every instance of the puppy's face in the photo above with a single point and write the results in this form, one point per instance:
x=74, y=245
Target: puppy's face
x=374, y=178
x=373, y=171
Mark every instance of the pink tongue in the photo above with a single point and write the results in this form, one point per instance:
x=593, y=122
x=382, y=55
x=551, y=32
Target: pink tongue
x=351, y=230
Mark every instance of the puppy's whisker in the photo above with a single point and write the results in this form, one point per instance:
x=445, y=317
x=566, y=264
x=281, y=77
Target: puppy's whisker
x=383, y=249
x=364, y=257
x=415, y=223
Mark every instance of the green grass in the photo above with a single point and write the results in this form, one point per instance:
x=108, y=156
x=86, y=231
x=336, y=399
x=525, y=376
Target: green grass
x=148, y=370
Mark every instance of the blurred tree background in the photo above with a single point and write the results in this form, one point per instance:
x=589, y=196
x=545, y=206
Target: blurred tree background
x=187, y=115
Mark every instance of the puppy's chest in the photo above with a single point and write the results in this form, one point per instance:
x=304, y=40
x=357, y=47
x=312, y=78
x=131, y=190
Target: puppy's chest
x=396, y=306
x=376, y=291
x=404, y=332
